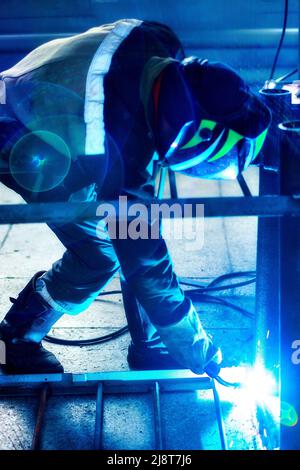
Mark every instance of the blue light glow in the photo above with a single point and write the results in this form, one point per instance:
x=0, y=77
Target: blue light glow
x=258, y=389
x=259, y=384
x=38, y=161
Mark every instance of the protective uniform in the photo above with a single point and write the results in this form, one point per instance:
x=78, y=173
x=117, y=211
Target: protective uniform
x=84, y=109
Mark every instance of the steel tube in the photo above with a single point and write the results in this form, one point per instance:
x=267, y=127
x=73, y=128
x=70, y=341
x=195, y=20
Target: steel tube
x=99, y=418
x=267, y=281
x=267, y=278
x=157, y=417
x=113, y=382
x=243, y=185
x=36, y=440
x=260, y=206
x=289, y=288
x=279, y=102
x=250, y=37
x=219, y=417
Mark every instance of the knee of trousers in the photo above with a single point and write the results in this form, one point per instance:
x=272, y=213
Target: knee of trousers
x=76, y=271
x=73, y=290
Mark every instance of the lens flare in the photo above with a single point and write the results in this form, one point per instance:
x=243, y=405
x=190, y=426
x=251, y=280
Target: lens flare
x=40, y=161
x=288, y=415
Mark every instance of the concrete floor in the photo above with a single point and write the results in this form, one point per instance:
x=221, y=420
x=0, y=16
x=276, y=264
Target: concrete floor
x=229, y=245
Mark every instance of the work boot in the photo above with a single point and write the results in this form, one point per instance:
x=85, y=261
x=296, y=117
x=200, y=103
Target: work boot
x=26, y=323
x=148, y=350
x=145, y=351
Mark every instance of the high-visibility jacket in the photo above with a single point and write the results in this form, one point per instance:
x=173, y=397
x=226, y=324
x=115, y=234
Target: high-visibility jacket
x=89, y=90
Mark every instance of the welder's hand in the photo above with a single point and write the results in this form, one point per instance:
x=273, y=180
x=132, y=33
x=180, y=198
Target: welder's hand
x=188, y=343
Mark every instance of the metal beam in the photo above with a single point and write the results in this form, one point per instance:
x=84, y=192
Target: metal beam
x=59, y=212
x=113, y=382
x=289, y=261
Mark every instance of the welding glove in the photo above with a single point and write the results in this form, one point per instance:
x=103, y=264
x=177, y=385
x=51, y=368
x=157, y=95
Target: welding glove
x=188, y=343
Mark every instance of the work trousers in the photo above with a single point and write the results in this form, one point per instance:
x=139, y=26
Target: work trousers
x=92, y=259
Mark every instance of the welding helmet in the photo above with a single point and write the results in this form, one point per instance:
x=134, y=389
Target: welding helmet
x=221, y=126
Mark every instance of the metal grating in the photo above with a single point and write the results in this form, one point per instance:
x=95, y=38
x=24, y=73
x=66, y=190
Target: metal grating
x=100, y=384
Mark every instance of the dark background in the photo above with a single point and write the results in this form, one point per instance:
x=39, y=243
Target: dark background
x=243, y=33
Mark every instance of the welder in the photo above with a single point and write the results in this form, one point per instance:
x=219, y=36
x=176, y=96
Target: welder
x=81, y=119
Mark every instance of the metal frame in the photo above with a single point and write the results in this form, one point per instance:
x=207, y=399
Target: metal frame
x=274, y=212
x=278, y=278
x=275, y=263
x=99, y=384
